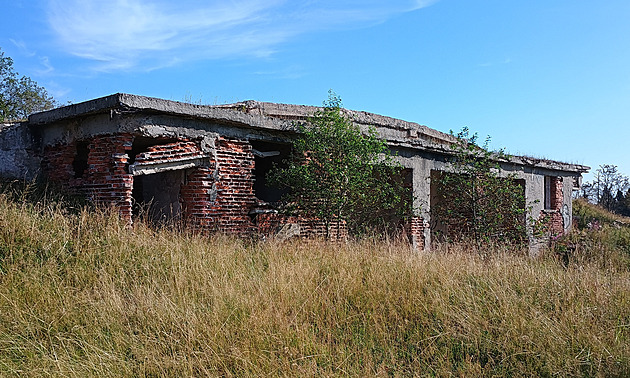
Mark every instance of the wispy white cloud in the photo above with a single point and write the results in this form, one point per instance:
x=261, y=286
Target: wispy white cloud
x=291, y=72
x=46, y=66
x=57, y=90
x=496, y=63
x=129, y=34
x=418, y=4
x=21, y=45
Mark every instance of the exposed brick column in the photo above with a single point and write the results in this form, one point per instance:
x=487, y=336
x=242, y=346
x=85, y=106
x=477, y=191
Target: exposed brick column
x=108, y=181
x=557, y=199
x=415, y=231
x=196, y=197
x=557, y=195
x=235, y=186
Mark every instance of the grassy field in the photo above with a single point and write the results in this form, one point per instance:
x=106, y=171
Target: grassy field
x=82, y=295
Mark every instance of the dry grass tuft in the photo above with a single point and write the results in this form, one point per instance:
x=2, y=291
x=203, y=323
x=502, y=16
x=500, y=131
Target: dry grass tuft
x=81, y=295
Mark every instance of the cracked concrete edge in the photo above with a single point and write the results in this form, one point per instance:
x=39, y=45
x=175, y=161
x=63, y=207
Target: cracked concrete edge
x=279, y=117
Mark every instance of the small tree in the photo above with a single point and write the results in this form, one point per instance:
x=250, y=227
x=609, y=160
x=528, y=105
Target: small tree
x=474, y=200
x=337, y=173
x=20, y=96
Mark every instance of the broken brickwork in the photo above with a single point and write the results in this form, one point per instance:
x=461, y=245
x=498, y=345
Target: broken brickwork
x=218, y=195
x=286, y=226
x=205, y=165
x=553, y=215
x=168, y=153
x=234, y=187
x=415, y=230
x=105, y=180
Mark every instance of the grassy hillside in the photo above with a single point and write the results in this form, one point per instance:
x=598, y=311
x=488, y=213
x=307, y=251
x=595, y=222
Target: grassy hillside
x=82, y=295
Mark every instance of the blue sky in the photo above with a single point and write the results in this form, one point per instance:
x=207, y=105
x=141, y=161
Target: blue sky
x=543, y=78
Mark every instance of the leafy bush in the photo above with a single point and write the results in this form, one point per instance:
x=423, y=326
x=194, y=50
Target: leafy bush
x=341, y=174
x=473, y=201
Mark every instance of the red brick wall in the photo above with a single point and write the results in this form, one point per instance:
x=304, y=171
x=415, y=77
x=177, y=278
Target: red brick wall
x=169, y=152
x=234, y=187
x=57, y=164
x=196, y=198
x=317, y=228
x=552, y=218
x=270, y=223
x=415, y=231
x=106, y=180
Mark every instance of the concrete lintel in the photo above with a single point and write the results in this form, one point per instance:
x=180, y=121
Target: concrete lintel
x=151, y=168
x=264, y=154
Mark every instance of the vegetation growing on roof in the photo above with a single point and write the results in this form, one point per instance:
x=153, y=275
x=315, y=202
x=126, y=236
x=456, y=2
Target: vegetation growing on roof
x=341, y=174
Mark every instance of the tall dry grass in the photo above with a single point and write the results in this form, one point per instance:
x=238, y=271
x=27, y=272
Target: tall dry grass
x=82, y=295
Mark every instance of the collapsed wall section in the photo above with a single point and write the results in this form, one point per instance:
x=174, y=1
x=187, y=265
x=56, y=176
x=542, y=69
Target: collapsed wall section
x=104, y=177
x=216, y=191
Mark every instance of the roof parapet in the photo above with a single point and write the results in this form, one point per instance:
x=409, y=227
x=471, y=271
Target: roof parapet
x=276, y=116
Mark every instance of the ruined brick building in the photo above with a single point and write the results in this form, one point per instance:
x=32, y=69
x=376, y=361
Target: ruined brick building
x=206, y=164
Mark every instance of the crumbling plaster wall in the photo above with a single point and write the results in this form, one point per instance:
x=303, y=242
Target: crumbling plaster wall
x=219, y=191
x=18, y=158
x=218, y=184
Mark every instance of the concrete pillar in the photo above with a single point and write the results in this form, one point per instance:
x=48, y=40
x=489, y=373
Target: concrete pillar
x=422, y=203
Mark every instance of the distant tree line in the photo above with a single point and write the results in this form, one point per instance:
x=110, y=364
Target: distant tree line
x=610, y=189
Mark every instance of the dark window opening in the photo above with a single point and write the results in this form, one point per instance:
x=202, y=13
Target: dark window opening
x=266, y=154
x=547, y=192
x=156, y=197
x=80, y=162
